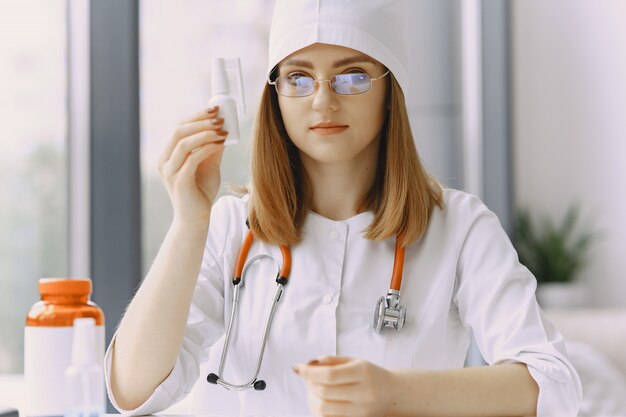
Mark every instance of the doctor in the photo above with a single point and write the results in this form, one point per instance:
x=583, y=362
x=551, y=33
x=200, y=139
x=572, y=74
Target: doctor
x=337, y=182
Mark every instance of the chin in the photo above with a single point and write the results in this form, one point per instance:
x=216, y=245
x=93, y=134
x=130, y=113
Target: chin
x=327, y=156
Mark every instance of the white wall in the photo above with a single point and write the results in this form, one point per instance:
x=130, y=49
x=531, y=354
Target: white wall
x=569, y=124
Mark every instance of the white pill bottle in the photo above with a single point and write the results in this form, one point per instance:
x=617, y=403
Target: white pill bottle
x=48, y=338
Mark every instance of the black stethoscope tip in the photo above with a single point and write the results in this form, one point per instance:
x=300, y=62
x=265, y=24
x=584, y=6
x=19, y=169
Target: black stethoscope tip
x=259, y=385
x=212, y=378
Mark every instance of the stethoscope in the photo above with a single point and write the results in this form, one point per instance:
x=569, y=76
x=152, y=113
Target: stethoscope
x=388, y=313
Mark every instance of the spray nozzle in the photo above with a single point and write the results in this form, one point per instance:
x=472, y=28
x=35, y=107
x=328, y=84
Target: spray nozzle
x=220, y=83
x=84, y=341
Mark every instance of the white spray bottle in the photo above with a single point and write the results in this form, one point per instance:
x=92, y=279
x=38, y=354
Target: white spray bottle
x=228, y=106
x=84, y=378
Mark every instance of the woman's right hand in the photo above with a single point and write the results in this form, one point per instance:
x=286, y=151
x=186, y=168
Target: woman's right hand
x=190, y=166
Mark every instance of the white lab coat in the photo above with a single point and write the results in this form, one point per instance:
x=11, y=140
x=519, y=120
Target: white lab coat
x=463, y=274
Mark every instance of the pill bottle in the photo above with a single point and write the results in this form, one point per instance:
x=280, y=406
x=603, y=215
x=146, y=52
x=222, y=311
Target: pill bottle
x=48, y=341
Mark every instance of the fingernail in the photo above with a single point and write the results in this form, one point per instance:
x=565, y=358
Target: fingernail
x=222, y=133
x=217, y=121
x=295, y=369
x=212, y=109
x=313, y=362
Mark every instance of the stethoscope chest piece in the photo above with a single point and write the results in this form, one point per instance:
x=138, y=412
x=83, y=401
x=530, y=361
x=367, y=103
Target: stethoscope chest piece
x=389, y=312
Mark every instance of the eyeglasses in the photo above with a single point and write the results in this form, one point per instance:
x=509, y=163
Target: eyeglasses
x=298, y=85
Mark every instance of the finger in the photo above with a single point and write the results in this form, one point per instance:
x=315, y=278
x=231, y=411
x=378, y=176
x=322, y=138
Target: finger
x=202, y=115
x=330, y=371
x=329, y=360
x=188, y=129
x=343, y=393
x=189, y=145
x=320, y=407
x=196, y=158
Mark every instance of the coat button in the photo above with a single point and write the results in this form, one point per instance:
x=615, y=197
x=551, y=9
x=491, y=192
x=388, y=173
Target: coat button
x=327, y=298
x=334, y=235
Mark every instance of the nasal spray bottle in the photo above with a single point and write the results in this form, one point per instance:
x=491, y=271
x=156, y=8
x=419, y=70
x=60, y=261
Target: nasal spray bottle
x=221, y=97
x=84, y=378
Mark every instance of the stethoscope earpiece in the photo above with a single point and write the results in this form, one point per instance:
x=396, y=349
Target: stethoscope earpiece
x=212, y=378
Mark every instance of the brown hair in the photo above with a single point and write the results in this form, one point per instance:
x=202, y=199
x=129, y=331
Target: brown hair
x=402, y=196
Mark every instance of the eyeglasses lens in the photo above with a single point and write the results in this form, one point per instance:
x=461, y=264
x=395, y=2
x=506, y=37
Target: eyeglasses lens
x=295, y=86
x=344, y=84
x=350, y=83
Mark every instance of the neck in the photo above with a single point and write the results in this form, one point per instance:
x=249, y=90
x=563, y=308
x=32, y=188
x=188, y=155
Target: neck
x=339, y=190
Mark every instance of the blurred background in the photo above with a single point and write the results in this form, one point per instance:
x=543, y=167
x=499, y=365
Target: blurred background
x=521, y=102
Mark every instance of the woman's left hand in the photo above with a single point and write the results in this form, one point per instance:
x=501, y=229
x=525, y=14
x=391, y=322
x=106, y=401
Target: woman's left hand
x=340, y=386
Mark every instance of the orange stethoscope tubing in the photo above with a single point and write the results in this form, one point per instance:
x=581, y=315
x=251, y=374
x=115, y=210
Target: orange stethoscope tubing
x=396, y=277
x=243, y=255
x=398, y=267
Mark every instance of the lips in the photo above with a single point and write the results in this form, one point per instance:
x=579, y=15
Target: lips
x=328, y=128
x=331, y=124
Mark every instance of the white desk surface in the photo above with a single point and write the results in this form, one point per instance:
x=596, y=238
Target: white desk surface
x=189, y=415
x=182, y=415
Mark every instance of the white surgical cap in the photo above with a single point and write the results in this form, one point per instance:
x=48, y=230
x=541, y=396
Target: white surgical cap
x=374, y=27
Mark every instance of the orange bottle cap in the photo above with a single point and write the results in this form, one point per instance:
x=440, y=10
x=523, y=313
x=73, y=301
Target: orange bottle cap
x=67, y=286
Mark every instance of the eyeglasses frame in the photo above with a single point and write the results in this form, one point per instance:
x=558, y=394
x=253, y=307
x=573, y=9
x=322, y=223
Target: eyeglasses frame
x=317, y=83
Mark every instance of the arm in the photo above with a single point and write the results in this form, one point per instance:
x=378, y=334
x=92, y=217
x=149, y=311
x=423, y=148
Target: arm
x=498, y=390
x=495, y=296
x=345, y=386
x=151, y=333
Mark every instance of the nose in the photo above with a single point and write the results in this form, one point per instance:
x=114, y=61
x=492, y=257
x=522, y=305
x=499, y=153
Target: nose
x=324, y=98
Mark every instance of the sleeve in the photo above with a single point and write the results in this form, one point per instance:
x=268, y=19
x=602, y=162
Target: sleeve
x=495, y=296
x=205, y=324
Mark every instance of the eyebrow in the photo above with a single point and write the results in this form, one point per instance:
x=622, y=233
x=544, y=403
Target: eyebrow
x=342, y=62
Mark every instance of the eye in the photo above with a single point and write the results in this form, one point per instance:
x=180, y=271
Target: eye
x=355, y=71
x=296, y=75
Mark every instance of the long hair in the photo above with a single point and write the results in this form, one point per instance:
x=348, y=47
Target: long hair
x=402, y=197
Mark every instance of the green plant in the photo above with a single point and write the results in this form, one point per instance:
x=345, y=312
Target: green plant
x=552, y=253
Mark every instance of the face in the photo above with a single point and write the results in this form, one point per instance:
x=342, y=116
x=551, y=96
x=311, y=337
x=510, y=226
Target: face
x=326, y=127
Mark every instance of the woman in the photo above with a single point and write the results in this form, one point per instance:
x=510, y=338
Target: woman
x=337, y=179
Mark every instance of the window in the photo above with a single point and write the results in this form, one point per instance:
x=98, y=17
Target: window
x=178, y=41
x=33, y=161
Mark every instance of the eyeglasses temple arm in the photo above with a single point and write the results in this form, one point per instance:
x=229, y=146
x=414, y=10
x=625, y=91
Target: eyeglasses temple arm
x=378, y=78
